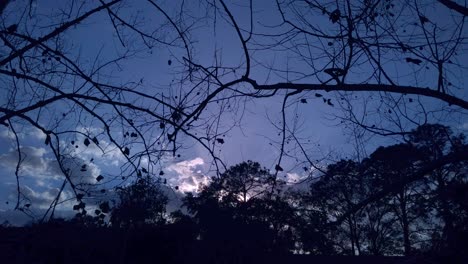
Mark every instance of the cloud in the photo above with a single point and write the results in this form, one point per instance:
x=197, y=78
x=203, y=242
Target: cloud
x=187, y=175
x=187, y=166
x=14, y=217
x=40, y=182
x=35, y=201
x=24, y=132
x=33, y=162
x=37, y=133
x=41, y=199
x=106, y=154
x=296, y=182
x=80, y=171
x=18, y=218
x=464, y=125
x=6, y=133
x=36, y=164
x=293, y=177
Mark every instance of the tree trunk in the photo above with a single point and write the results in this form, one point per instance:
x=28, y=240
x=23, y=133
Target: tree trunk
x=405, y=224
x=448, y=230
x=351, y=233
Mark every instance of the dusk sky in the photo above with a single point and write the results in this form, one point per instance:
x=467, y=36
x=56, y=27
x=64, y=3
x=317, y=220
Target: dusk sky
x=248, y=126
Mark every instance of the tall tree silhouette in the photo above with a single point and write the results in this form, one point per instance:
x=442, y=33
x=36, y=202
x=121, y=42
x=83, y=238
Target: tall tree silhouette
x=141, y=203
x=335, y=193
x=388, y=165
x=437, y=140
x=236, y=209
x=391, y=201
x=368, y=231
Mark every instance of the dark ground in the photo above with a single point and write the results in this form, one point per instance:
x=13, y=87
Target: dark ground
x=45, y=244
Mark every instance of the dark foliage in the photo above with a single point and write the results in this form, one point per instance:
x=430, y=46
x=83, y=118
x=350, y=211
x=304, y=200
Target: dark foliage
x=141, y=203
x=238, y=213
x=247, y=214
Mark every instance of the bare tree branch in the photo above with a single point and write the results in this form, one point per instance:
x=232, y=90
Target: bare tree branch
x=455, y=6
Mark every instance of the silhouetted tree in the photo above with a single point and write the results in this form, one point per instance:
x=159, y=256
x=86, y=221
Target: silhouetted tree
x=368, y=231
x=314, y=234
x=334, y=193
x=236, y=210
x=391, y=200
x=436, y=141
x=141, y=203
x=388, y=165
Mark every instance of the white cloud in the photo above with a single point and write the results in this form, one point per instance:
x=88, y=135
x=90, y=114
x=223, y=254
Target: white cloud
x=187, y=166
x=37, y=133
x=465, y=126
x=33, y=162
x=293, y=177
x=296, y=182
x=81, y=172
x=39, y=199
x=6, y=133
x=188, y=175
x=36, y=164
x=23, y=132
x=107, y=153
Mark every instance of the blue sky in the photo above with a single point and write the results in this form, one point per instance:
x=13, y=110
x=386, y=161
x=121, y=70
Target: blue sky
x=251, y=132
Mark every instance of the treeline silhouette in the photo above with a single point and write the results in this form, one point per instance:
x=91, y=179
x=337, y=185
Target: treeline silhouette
x=408, y=199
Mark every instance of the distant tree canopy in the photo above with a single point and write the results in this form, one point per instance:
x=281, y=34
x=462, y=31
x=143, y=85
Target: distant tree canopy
x=141, y=203
x=400, y=211
x=244, y=209
x=403, y=209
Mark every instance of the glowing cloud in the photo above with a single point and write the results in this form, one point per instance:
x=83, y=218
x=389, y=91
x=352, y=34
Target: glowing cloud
x=187, y=175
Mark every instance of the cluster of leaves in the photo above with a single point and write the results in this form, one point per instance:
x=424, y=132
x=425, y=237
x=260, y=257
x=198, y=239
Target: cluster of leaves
x=86, y=219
